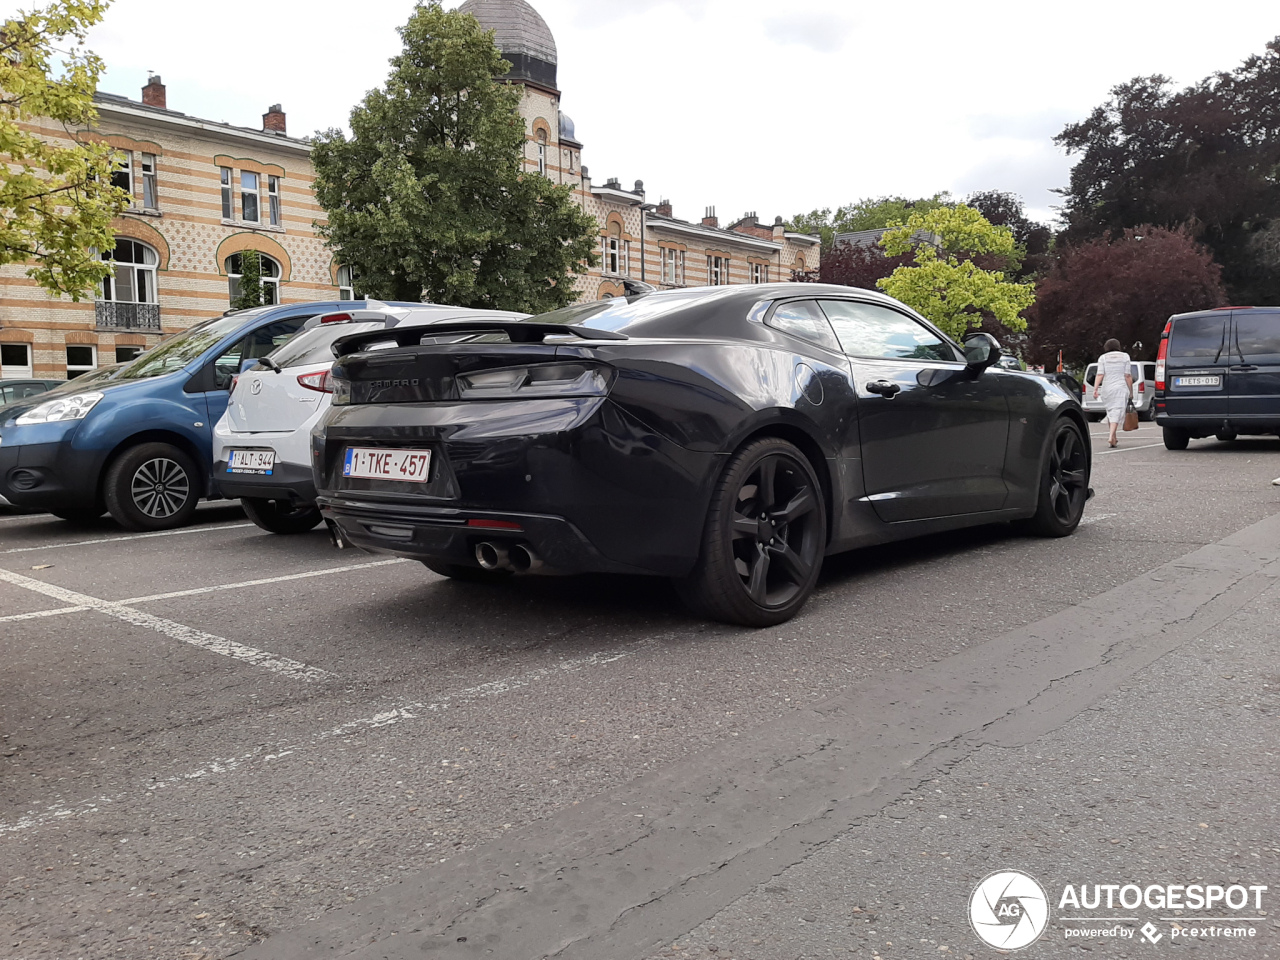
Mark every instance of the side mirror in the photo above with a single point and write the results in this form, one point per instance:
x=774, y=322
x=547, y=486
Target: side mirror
x=246, y=363
x=981, y=350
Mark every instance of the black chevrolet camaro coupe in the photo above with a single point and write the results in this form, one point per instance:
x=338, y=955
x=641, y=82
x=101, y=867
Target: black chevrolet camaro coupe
x=726, y=437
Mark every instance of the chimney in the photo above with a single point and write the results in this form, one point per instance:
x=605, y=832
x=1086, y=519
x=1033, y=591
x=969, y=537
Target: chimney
x=663, y=209
x=273, y=119
x=153, y=92
x=779, y=230
x=639, y=187
x=710, y=219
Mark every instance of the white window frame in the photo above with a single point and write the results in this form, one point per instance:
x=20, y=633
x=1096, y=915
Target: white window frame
x=13, y=371
x=347, y=285
x=150, y=198
x=123, y=164
x=228, y=200
x=273, y=200
x=759, y=273
x=612, y=255
x=542, y=158
x=246, y=194
x=268, y=282
x=78, y=369
x=717, y=271
x=143, y=278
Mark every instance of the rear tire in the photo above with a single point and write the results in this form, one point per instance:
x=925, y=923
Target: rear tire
x=1064, y=483
x=80, y=518
x=460, y=571
x=1175, y=439
x=153, y=486
x=764, y=538
x=1094, y=417
x=1149, y=415
x=281, y=516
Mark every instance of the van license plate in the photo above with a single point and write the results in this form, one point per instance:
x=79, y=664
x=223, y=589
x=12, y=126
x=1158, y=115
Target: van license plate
x=379, y=463
x=251, y=461
x=1197, y=381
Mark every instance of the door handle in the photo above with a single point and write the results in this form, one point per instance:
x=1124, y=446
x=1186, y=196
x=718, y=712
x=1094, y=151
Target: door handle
x=886, y=388
x=1244, y=367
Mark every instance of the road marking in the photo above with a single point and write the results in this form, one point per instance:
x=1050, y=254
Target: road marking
x=257, y=583
x=41, y=613
x=1144, y=446
x=1094, y=519
x=132, y=536
x=172, y=629
x=407, y=710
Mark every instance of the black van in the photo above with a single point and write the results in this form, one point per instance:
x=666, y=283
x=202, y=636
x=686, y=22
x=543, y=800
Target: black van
x=1218, y=374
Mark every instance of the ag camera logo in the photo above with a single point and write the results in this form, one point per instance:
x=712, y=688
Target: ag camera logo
x=1009, y=910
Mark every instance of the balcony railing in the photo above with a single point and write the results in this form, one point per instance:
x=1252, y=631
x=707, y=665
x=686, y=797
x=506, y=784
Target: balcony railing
x=143, y=317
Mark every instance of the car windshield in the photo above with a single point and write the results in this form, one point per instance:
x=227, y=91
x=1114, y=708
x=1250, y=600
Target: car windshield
x=176, y=353
x=312, y=346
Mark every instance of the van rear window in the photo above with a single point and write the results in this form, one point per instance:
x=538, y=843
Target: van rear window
x=1258, y=336
x=1197, y=338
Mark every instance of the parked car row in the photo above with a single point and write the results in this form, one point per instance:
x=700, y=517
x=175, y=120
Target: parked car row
x=1144, y=391
x=728, y=438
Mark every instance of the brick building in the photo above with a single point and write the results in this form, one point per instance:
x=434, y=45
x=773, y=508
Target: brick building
x=202, y=193
x=638, y=240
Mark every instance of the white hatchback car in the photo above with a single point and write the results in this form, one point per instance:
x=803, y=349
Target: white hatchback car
x=262, y=444
x=1144, y=391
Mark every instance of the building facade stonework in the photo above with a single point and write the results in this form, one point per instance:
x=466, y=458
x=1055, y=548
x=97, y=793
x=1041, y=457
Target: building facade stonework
x=203, y=193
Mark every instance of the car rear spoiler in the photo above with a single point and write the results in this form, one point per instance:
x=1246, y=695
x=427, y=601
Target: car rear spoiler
x=518, y=330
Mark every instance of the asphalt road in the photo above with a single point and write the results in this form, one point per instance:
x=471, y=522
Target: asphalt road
x=228, y=742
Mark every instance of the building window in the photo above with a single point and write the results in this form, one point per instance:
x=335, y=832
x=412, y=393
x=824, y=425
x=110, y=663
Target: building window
x=133, y=280
x=273, y=200
x=125, y=354
x=672, y=266
x=149, y=199
x=270, y=278
x=759, y=273
x=249, y=196
x=614, y=250
x=227, y=208
x=81, y=358
x=717, y=271
x=542, y=153
x=15, y=361
x=571, y=161
x=347, y=286
x=122, y=172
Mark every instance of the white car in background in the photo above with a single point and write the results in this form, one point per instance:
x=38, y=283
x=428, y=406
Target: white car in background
x=1144, y=391
x=262, y=444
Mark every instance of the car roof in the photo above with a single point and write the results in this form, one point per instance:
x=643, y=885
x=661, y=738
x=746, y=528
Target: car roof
x=1213, y=310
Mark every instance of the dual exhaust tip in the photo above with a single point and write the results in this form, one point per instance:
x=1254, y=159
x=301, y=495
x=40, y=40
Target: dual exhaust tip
x=518, y=557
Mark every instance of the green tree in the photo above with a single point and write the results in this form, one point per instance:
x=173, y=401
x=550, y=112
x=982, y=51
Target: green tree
x=428, y=197
x=956, y=281
x=871, y=213
x=250, y=285
x=56, y=201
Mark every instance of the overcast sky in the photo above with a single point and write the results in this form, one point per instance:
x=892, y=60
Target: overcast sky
x=777, y=107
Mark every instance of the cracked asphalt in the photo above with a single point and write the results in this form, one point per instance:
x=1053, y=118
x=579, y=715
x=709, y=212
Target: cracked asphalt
x=577, y=768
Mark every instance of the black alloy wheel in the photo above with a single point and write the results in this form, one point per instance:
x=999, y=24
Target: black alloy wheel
x=281, y=516
x=153, y=486
x=1175, y=439
x=1064, y=483
x=764, y=540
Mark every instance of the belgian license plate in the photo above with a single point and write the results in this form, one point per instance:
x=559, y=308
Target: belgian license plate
x=1197, y=381
x=379, y=463
x=251, y=461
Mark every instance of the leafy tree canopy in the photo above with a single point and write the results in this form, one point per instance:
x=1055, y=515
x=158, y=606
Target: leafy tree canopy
x=250, y=284
x=56, y=200
x=1205, y=157
x=871, y=213
x=947, y=284
x=1124, y=286
x=428, y=197
x=1005, y=209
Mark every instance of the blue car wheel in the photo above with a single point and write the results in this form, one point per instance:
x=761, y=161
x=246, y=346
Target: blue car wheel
x=153, y=486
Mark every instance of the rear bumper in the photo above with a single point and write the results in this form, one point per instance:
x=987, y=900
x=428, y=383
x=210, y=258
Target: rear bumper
x=287, y=481
x=1208, y=426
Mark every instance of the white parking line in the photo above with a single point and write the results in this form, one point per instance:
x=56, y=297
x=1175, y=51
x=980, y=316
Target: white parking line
x=171, y=628
x=389, y=716
x=1143, y=446
x=41, y=613
x=131, y=536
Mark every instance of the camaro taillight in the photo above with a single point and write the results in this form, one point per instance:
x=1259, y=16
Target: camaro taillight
x=1160, y=357
x=321, y=381
x=540, y=380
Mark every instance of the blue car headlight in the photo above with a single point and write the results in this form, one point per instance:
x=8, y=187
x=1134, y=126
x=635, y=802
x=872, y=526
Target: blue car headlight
x=73, y=407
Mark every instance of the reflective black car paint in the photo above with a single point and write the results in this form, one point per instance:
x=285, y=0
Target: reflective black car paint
x=623, y=482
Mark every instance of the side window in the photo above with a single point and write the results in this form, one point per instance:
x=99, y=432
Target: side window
x=803, y=319
x=1089, y=373
x=870, y=330
x=1197, y=338
x=1258, y=336
x=228, y=365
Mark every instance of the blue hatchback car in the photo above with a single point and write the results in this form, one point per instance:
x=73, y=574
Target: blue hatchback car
x=139, y=445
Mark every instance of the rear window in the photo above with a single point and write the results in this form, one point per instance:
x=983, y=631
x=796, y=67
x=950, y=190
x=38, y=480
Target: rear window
x=618, y=313
x=1148, y=371
x=1198, y=338
x=1089, y=372
x=312, y=346
x=1258, y=336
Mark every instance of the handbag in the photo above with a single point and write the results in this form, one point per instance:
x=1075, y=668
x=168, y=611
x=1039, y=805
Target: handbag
x=1130, y=415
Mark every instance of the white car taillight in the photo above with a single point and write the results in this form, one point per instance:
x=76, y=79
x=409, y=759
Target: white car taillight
x=321, y=381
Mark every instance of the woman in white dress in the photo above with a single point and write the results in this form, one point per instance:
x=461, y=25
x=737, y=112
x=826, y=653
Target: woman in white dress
x=1114, y=382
